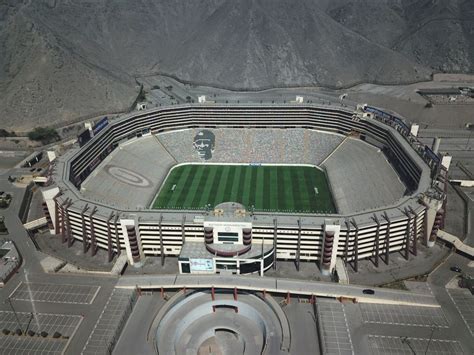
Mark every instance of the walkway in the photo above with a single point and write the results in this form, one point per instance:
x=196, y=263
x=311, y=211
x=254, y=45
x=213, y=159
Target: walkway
x=281, y=286
x=457, y=243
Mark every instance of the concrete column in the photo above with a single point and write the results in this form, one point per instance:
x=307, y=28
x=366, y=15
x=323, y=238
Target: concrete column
x=69, y=236
x=110, y=250
x=435, y=146
x=407, y=235
x=183, y=232
x=48, y=216
x=432, y=217
x=208, y=235
x=49, y=196
x=330, y=243
x=132, y=241
x=298, y=246
x=117, y=238
x=346, y=247
x=275, y=236
x=415, y=232
x=377, y=241
x=247, y=236
x=387, y=238
x=63, y=222
x=356, y=246
x=162, y=249
x=57, y=217
x=93, y=240
x=84, y=229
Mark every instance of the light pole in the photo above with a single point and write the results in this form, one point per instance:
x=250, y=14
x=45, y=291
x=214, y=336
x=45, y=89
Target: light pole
x=433, y=328
x=471, y=128
x=406, y=341
x=14, y=312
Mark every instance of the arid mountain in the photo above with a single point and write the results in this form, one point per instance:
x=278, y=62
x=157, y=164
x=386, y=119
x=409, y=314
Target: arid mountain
x=60, y=59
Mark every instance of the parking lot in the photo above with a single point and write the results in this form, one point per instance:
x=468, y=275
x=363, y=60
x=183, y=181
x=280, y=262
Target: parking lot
x=403, y=315
x=40, y=322
x=335, y=331
x=110, y=320
x=26, y=345
x=43, y=292
x=464, y=302
x=65, y=325
x=381, y=345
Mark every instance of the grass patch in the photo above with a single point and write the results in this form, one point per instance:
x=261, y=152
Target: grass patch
x=267, y=188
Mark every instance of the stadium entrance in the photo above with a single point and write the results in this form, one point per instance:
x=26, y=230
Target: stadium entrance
x=227, y=247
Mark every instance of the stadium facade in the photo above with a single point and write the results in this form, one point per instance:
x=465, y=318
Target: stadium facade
x=140, y=232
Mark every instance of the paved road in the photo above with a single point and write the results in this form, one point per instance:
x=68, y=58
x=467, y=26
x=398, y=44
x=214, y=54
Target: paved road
x=444, y=133
x=441, y=276
x=180, y=92
x=303, y=287
x=438, y=280
x=32, y=272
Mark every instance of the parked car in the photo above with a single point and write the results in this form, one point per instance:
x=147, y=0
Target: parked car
x=368, y=291
x=456, y=268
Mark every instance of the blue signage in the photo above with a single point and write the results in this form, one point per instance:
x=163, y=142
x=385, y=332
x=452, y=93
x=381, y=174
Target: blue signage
x=389, y=117
x=99, y=126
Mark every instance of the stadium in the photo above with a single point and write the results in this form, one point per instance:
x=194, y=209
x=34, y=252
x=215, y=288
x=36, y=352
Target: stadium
x=236, y=188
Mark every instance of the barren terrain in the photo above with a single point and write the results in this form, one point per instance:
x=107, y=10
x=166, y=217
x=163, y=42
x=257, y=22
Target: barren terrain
x=62, y=59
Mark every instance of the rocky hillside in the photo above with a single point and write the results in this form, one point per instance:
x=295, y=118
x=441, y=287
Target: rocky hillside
x=60, y=59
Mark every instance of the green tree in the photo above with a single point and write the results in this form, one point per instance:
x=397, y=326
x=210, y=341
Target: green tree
x=44, y=135
x=5, y=133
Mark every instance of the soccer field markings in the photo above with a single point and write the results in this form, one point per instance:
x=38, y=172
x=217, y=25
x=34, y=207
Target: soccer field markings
x=187, y=188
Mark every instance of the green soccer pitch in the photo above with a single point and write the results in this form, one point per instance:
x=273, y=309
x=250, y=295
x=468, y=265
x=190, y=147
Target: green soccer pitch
x=268, y=188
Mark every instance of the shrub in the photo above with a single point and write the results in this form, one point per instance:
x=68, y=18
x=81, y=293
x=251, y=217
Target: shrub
x=56, y=335
x=5, y=133
x=44, y=135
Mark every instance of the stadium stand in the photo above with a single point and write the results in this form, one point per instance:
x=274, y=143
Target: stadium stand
x=294, y=146
x=112, y=182
x=373, y=183
x=286, y=134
